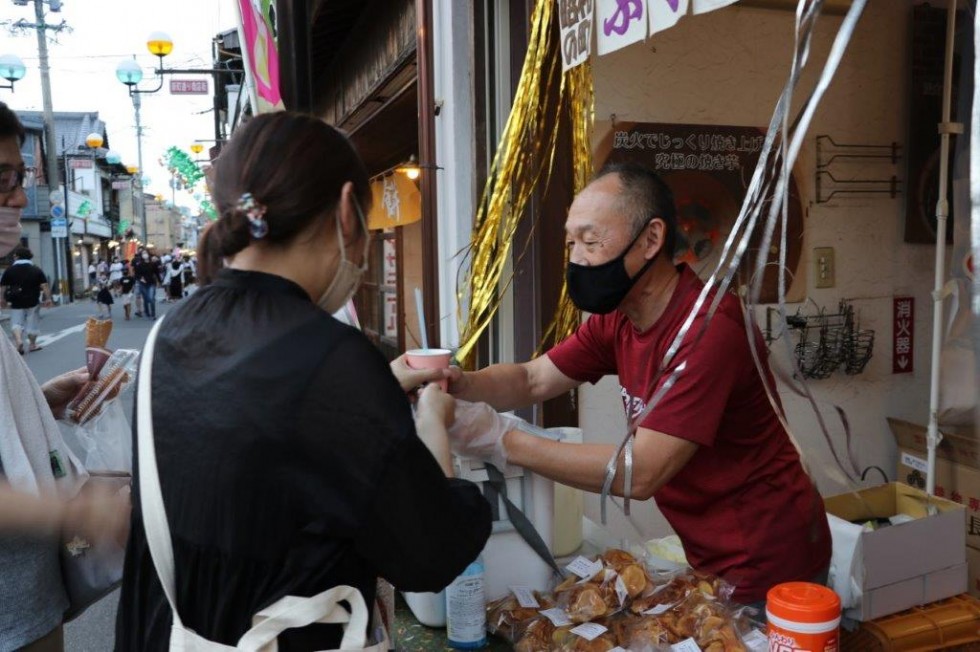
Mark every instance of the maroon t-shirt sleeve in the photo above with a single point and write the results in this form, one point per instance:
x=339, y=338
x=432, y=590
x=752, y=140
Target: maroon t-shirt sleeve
x=587, y=355
x=693, y=408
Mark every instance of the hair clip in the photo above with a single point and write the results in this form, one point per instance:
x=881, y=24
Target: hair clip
x=255, y=212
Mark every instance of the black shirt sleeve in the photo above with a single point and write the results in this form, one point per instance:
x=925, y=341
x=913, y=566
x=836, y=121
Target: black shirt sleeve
x=362, y=443
x=423, y=529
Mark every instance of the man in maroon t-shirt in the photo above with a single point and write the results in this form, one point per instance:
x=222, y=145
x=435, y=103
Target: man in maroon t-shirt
x=713, y=452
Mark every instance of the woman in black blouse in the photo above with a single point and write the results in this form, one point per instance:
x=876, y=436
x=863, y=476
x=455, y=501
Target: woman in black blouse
x=294, y=464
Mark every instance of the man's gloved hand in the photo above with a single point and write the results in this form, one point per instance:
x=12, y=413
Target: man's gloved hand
x=478, y=433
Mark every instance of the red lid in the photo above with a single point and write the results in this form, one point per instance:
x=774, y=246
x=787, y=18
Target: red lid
x=803, y=602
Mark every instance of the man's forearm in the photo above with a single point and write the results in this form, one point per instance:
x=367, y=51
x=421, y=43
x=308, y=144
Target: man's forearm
x=582, y=466
x=504, y=386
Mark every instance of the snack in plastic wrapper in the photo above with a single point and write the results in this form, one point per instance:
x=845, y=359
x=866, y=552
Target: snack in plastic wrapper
x=677, y=588
x=507, y=618
x=94, y=426
x=705, y=619
x=565, y=639
x=631, y=570
x=587, y=600
x=114, y=376
x=640, y=633
x=536, y=635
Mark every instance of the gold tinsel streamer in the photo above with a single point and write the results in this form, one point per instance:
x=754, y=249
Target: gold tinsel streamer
x=523, y=160
x=580, y=97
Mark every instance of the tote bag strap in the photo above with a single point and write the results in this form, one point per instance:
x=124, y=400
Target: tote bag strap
x=151, y=497
x=291, y=611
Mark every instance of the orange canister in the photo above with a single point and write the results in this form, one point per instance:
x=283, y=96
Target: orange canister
x=803, y=617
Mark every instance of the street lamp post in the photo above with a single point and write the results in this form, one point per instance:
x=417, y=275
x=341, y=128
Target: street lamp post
x=130, y=73
x=12, y=69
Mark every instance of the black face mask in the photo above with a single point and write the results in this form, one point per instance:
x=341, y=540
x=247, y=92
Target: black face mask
x=599, y=289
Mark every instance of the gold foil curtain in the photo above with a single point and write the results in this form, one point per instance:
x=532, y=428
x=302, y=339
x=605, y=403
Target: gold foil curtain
x=525, y=159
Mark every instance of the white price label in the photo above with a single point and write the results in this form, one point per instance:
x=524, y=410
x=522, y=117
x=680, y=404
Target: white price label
x=525, y=597
x=659, y=609
x=584, y=568
x=687, y=645
x=916, y=463
x=557, y=616
x=590, y=631
x=756, y=641
x=621, y=591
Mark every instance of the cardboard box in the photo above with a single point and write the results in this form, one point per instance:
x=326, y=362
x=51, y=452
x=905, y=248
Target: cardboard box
x=957, y=469
x=901, y=566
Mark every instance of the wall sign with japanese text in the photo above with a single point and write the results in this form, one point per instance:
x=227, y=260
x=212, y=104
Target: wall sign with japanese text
x=575, y=21
x=903, y=341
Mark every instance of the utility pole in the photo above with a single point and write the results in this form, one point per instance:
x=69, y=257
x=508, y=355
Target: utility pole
x=41, y=28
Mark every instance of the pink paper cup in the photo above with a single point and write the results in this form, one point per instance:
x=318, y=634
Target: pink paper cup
x=430, y=359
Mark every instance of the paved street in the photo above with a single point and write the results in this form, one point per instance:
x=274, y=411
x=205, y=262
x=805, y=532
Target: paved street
x=63, y=339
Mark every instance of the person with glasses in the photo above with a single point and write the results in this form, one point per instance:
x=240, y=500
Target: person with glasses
x=40, y=480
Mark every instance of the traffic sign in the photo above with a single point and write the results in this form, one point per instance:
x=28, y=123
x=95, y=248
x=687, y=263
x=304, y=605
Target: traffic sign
x=57, y=196
x=188, y=86
x=59, y=225
x=57, y=212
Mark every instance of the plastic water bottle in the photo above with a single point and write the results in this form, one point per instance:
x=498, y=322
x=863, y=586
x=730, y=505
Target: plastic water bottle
x=466, y=609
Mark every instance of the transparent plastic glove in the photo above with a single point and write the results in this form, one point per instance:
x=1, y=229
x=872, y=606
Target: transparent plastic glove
x=478, y=433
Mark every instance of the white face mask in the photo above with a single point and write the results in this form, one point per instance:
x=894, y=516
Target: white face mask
x=347, y=278
x=9, y=229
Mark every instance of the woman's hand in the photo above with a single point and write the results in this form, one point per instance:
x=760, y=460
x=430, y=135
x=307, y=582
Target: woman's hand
x=411, y=379
x=437, y=405
x=60, y=390
x=434, y=414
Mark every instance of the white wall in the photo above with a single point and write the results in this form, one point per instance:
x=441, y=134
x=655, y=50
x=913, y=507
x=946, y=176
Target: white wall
x=727, y=67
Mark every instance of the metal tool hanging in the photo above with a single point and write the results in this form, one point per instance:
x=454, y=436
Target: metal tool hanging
x=831, y=153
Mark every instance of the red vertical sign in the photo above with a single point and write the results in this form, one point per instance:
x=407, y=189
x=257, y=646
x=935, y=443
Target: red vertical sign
x=903, y=341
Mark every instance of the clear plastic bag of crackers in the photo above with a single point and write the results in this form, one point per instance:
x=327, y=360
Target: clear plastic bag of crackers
x=96, y=426
x=602, y=587
x=690, y=606
x=510, y=616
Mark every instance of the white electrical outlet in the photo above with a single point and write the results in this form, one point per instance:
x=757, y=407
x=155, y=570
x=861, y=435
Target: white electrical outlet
x=825, y=268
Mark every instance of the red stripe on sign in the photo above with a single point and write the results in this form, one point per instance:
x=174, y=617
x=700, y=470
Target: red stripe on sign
x=903, y=335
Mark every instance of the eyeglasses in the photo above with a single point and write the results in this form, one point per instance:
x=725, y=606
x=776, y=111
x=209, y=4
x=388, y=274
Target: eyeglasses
x=10, y=178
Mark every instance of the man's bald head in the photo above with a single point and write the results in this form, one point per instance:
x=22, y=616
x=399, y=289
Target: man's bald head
x=642, y=196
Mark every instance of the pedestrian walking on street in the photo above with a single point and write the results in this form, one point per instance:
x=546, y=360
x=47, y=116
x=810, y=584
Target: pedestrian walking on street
x=91, y=274
x=115, y=273
x=308, y=471
x=146, y=284
x=103, y=270
x=174, y=280
x=23, y=284
x=104, y=301
x=126, y=285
